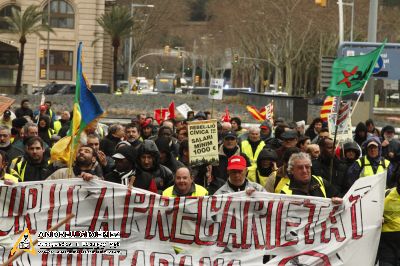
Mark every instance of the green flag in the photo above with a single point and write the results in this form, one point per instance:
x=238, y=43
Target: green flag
x=349, y=74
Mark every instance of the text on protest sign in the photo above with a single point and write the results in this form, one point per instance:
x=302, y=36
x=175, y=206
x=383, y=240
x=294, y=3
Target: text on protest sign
x=232, y=229
x=203, y=142
x=216, y=89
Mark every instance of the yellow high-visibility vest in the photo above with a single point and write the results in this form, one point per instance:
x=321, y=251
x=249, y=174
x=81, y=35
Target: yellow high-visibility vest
x=199, y=191
x=246, y=149
x=366, y=168
x=391, y=213
x=286, y=188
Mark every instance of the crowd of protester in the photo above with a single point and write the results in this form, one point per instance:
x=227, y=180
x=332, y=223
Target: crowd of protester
x=275, y=156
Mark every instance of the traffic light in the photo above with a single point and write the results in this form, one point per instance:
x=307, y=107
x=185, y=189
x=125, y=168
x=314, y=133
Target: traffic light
x=41, y=53
x=167, y=49
x=42, y=73
x=180, y=54
x=197, y=79
x=236, y=58
x=321, y=3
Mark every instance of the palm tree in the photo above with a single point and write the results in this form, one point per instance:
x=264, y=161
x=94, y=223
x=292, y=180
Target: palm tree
x=24, y=24
x=117, y=23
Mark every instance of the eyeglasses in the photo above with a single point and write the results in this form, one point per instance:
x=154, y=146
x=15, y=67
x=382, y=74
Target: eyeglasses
x=306, y=166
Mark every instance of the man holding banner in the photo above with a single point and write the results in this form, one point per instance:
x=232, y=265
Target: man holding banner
x=184, y=185
x=301, y=182
x=237, y=170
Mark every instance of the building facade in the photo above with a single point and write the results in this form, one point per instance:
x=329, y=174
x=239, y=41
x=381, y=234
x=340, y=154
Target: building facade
x=73, y=21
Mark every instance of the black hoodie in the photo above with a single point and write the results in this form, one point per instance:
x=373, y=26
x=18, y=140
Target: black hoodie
x=44, y=131
x=361, y=127
x=163, y=145
x=162, y=175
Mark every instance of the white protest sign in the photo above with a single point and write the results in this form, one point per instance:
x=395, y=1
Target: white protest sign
x=183, y=109
x=216, y=89
x=344, y=132
x=231, y=229
x=203, y=142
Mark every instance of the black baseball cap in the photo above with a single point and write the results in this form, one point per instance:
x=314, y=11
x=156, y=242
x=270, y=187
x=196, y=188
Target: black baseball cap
x=230, y=134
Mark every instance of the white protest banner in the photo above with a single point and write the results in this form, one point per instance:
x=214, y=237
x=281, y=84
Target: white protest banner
x=146, y=229
x=216, y=89
x=183, y=109
x=203, y=142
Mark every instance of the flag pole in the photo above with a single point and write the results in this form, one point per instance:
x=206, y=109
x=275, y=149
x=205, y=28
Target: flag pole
x=212, y=108
x=335, y=137
x=358, y=99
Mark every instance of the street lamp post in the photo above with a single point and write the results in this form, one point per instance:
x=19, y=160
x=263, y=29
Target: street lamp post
x=131, y=42
x=180, y=50
x=352, y=18
x=194, y=64
x=48, y=45
x=372, y=29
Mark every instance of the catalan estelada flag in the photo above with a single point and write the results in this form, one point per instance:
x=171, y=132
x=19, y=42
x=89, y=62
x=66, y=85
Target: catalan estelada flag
x=86, y=109
x=327, y=107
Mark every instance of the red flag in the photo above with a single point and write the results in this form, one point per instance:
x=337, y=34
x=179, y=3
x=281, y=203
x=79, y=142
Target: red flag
x=171, y=110
x=160, y=114
x=226, y=117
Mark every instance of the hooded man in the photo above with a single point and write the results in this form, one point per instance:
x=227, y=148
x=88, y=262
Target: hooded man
x=321, y=166
x=167, y=158
x=390, y=145
x=370, y=164
x=166, y=131
x=265, y=172
x=148, y=160
x=276, y=142
x=351, y=152
x=45, y=130
x=124, y=172
x=24, y=110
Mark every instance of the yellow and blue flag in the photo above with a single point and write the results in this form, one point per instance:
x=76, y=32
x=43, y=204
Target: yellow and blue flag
x=86, y=109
